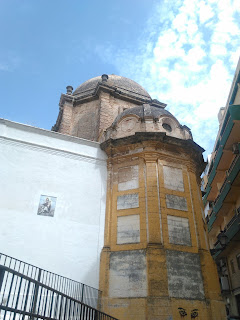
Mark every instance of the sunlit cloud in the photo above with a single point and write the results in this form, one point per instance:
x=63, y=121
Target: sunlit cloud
x=186, y=57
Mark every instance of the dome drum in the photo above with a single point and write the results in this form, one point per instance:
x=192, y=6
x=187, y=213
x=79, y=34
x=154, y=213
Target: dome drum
x=146, y=118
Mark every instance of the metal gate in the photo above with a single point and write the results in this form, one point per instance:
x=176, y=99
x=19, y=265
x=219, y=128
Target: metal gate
x=28, y=292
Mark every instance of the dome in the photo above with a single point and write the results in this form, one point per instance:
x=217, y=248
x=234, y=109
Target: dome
x=146, y=118
x=144, y=111
x=122, y=84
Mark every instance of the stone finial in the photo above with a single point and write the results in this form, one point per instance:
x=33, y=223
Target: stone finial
x=104, y=77
x=69, y=89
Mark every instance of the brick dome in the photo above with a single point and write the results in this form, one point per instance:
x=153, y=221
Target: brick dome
x=119, y=83
x=144, y=111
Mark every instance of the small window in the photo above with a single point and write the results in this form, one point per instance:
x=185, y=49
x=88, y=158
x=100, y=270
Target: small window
x=167, y=127
x=238, y=261
x=232, y=266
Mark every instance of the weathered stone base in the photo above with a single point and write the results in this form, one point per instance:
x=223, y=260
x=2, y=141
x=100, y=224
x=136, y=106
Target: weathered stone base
x=161, y=288
x=163, y=308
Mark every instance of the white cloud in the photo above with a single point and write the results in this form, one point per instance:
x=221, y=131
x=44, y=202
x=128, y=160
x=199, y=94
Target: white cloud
x=234, y=56
x=218, y=50
x=205, y=12
x=186, y=57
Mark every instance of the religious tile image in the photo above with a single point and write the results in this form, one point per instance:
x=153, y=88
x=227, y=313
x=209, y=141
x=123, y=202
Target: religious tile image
x=47, y=206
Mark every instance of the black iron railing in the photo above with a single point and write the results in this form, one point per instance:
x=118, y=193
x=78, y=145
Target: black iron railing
x=69, y=287
x=28, y=292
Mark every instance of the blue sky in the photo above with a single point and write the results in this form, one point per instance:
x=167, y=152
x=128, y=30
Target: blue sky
x=183, y=52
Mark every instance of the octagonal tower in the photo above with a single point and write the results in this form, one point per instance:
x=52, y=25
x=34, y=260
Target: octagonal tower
x=155, y=263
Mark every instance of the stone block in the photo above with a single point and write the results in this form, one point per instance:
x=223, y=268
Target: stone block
x=184, y=275
x=128, y=229
x=128, y=275
x=128, y=201
x=178, y=231
x=176, y=202
x=173, y=178
x=128, y=178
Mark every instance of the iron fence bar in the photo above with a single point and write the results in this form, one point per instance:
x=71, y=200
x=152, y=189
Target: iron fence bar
x=81, y=309
x=70, y=308
x=33, y=276
x=46, y=299
x=6, y=280
x=25, y=305
x=1, y=277
x=68, y=288
x=36, y=289
x=15, y=287
x=60, y=309
x=65, y=306
x=40, y=298
x=19, y=290
x=82, y=293
x=84, y=313
x=56, y=305
x=4, y=317
x=73, y=309
x=77, y=311
x=51, y=305
x=24, y=286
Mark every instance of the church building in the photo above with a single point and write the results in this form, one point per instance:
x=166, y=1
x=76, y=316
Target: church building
x=111, y=197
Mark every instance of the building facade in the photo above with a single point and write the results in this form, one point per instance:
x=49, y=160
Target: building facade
x=222, y=198
x=132, y=159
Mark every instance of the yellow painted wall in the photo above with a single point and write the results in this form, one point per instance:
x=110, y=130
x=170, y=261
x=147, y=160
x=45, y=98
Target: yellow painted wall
x=154, y=235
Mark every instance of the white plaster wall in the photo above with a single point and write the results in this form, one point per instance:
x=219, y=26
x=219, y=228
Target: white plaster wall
x=37, y=162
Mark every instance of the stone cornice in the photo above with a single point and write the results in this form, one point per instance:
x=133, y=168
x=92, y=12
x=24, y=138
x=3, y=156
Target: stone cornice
x=123, y=94
x=156, y=140
x=152, y=136
x=51, y=151
x=66, y=98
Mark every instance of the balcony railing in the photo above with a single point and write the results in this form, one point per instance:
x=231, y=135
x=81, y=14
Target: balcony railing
x=225, y=132
x=231, y=175
x=231, y=229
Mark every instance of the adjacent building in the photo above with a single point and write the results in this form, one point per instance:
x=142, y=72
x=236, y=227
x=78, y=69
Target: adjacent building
x=222, y=198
